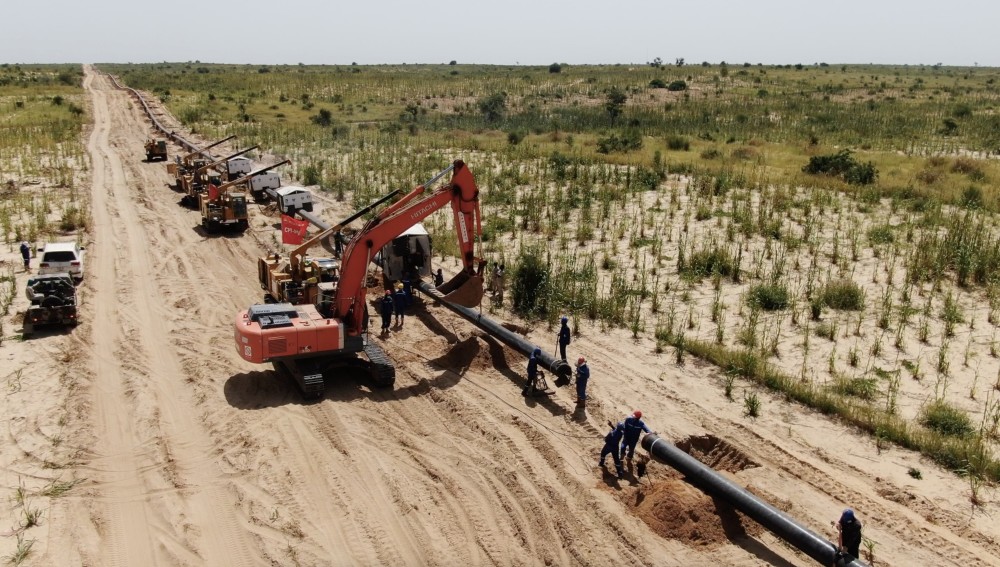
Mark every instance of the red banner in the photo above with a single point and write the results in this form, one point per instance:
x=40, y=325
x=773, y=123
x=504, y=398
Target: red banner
x=293, y=230
x=213, y=192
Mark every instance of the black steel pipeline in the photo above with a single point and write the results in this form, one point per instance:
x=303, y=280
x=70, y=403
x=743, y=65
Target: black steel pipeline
x=156, y=123
x=712, y=483
x=558, y=367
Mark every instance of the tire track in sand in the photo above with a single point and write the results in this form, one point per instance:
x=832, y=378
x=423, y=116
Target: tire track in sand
x=139, y=530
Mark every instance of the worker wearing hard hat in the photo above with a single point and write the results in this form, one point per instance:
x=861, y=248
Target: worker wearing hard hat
x=582, y=375
x=611, y=441
x=399, y=302
x=386, y=310
x=634, y=427
x=529, y=385
x=564, y=336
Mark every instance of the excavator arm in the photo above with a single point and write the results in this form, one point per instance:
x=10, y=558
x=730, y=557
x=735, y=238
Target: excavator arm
x=463, y=195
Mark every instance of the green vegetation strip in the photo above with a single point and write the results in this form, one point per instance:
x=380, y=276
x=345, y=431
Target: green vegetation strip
x=964, y=454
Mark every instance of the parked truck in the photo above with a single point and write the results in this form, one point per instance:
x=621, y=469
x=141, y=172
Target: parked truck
x=53, y=302
x=224, y=209
x=194, y=182
x=156, y=150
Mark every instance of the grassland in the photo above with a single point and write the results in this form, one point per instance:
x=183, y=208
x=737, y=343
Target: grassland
x=42, y=114
x=686, y=215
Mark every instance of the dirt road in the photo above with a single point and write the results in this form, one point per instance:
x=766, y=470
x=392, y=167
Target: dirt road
x=192, y=457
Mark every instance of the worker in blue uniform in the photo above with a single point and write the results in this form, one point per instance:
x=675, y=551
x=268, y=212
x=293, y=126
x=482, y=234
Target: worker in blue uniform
x=564, y=337
x=386, y=309
x=611, y=441
x=634, y=427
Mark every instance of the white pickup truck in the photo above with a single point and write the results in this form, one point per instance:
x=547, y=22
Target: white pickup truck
x=62, y=258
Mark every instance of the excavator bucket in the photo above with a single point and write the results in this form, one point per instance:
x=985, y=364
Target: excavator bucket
x=463, y=289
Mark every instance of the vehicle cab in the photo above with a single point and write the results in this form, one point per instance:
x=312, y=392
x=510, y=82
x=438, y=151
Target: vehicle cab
x=62, y=257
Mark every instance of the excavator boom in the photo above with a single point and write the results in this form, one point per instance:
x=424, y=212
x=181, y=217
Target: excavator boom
x=463, y=195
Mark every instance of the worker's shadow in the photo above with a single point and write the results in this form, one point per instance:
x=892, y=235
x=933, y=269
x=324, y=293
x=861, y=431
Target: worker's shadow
x=499, y=358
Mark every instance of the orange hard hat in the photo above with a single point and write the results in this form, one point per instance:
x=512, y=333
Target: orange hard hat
x=388, y=292
x=637, y=413
x=581, y=360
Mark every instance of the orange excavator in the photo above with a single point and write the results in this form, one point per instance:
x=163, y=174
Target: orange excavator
x=327, y=332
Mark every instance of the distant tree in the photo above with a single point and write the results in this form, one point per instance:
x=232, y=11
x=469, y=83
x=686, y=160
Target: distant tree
x=453, y=62
x=657, y=62
x=615, y=102
x=493, y=106
x=324, y=118
x=555, y=68
x=679, y=61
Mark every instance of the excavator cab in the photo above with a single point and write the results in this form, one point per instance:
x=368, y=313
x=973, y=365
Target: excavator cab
x=409, y=256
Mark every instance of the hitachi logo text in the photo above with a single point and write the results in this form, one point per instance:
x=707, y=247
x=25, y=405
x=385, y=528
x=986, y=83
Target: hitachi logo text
x=415, y=215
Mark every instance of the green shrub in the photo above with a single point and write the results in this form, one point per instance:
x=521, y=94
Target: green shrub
x=677, y=85
x=531, y=284
x=881, y=234
x=657, y=84
x=624, y=142
x=863, y=388
x=946, y=419
x=843, y=165
x=843, y=295
x=678, y=143
x=769, y=296
x=708, y=261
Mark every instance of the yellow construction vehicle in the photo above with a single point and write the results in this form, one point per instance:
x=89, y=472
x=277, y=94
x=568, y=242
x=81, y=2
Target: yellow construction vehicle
x=156, y=150
x=182, y=164
x=223, y=209
x=193, y=182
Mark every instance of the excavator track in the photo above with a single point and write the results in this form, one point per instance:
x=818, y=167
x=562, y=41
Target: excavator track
x=383, y=373
x=308, y=376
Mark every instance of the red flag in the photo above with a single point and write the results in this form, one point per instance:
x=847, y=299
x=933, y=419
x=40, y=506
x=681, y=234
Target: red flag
x=213, y=192
x=293, y=230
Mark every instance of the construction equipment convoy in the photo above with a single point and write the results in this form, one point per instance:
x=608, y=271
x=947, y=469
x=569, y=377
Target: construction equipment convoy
x=184, y=163
x=319, y=326
x=156, y=150
x=195, y=180
x=224, y=209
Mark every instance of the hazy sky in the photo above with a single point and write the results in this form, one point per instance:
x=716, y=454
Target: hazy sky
x=529, y=32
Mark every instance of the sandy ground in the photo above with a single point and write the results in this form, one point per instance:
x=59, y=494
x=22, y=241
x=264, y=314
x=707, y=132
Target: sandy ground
x=185, y=455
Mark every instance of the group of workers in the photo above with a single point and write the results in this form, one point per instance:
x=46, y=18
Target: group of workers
x=395, y=303
x=620, y=442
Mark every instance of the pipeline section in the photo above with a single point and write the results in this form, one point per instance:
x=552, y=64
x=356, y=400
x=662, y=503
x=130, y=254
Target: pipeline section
x=557, y=367
x=156, y=123
x=715, y=485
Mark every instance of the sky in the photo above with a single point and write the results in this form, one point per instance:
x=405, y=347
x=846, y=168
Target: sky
x=524, y=32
